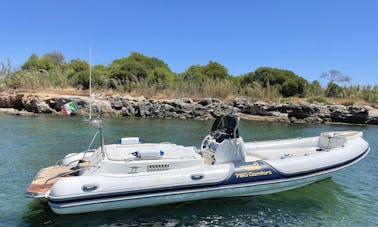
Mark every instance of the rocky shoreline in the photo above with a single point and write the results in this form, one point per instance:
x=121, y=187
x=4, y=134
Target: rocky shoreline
x=185, y=108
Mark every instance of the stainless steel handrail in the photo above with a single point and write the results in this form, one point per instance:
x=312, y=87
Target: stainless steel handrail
x=68, y=173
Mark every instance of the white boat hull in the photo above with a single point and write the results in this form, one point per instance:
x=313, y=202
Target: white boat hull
x=133, y=174
x=233, y=190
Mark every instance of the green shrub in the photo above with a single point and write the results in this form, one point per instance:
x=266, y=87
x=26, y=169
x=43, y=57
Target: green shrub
x=288, y=83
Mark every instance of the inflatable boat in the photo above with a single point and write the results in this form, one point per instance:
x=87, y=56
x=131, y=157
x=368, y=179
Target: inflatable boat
x=134, y=174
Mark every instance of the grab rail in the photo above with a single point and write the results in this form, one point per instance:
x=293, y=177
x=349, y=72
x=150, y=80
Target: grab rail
x=68, y=173
x=58, y=163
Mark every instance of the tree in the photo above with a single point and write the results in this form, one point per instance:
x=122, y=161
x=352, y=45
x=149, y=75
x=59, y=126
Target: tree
x=161, y=76
x=47, y=62
x=78, y=73
x=31, y=63
x=200, y=73
x=100, y=76
x=335, y=76
x=290, y=88
x=333, y=90
x=55, y=57
x=215, y=71
x=127, y=71
x=137, y=68
x=287, y=82
x=194, y=74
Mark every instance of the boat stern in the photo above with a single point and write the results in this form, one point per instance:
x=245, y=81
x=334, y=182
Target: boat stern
x=44, y=180
x=37, y=191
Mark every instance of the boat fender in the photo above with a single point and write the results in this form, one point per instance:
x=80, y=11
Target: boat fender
x=148, y=154
x=197, y=176
x=129, y=140
x=89, y=187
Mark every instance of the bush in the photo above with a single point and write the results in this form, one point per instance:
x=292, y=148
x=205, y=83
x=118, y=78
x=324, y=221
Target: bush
x=137, y=68
x=49, y=61
x=78, y=73
x=333, y=90
x=287, y=82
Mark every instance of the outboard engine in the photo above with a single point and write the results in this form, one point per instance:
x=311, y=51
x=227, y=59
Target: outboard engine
x=223, y=144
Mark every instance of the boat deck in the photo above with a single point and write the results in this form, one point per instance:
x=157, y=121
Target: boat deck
x=119, y=152
x=269, y=154
x=45, y=179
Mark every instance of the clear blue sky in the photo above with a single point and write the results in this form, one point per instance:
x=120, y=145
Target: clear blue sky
x=307, y=37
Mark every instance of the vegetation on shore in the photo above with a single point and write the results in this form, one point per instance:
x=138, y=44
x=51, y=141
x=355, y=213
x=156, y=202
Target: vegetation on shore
x=150, y=76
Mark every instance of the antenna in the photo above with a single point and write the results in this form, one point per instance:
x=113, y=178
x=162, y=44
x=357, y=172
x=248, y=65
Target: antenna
x=90, y=82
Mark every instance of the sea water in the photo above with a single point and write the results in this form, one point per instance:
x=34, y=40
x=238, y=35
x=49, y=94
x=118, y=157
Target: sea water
x=28, y=144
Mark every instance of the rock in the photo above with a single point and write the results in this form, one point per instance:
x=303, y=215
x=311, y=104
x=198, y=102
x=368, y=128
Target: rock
x=129, y=108
x=81, y=103
x=279, y=118
x=323, y=112
x=368, y=107
x=206, y=108
x=301, y=111
x=186, y=100
x=240, y=103
x=171, y=115
x=199, y=110
x=100, y=96
x=372, y=117
x=116, y=97
x=126, y=103
x=218, y=111
x=12, y=111
x=117, y=105
x=11, y=101
x=35, y=105
x=60, y=102
x=128, y=111
x=183, y=108
x=313, y=119
x=167, y=108
x=257, y=108
x=352, y=114
x=205, y=102
x=51, y=103
x=138, y=98
x=143, y=109
x=157, y=110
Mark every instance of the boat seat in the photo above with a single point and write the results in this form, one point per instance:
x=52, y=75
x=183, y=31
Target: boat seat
x=279, y=153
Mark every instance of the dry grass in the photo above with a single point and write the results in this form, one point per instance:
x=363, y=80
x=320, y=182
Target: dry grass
x=56, y=83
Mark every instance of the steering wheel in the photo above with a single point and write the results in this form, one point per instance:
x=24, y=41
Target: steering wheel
x=205, y=142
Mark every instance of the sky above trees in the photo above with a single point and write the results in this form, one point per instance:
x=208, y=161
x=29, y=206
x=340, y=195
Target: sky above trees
x=306, y=37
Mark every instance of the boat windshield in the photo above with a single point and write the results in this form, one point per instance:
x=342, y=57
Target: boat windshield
x=227, y=124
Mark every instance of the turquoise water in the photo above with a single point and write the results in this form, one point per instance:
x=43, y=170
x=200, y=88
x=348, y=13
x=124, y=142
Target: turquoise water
x=350, y=198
